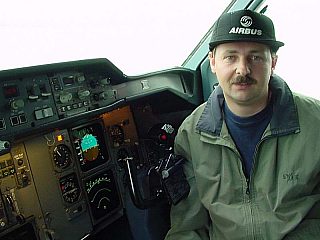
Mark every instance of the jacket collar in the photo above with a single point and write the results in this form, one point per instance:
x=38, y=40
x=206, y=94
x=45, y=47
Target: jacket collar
x=285, y=116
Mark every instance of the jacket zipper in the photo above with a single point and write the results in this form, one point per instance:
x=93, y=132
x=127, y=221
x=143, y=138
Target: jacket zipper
x=248, y=181
x=253, y=163
x=248, y=187
x=247, y=191
x=248, y=178
x=243, y=172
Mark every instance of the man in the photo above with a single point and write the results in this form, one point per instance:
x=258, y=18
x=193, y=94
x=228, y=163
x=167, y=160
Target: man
x=252, y=154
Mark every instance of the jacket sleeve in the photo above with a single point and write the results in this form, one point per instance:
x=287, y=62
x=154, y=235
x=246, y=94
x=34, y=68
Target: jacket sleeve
x=189, y=218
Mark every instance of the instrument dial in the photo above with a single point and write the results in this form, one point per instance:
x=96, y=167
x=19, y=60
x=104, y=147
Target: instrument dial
x=117, y=135
x=62, y=156
x=70, y=188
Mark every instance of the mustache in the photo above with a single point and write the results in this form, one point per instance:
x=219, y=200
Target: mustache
x=243, y=79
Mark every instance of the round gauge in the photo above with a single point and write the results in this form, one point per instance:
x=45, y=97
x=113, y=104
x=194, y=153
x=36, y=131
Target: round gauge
x=70, y=188
x=117, y=135
x=62, y=156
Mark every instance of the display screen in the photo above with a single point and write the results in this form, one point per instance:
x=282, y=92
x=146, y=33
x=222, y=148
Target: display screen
x=11, y=91
x=89, y=143
x=102, y=194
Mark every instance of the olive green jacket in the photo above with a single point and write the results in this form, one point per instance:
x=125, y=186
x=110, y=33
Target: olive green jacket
x=280, y=200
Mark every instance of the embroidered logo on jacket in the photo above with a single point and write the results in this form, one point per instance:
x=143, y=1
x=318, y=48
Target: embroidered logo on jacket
x=291, y=177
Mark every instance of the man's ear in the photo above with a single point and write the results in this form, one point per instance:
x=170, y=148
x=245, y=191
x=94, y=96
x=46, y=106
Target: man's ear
x=274, y=62
x=212, y=61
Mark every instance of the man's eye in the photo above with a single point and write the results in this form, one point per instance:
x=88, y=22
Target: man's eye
x=256, y=58
x=229, y=58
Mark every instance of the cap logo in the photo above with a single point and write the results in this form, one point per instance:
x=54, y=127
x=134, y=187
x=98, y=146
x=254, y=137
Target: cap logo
x=246, y=21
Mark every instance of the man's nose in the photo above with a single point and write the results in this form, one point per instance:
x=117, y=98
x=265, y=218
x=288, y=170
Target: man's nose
x=243, y=67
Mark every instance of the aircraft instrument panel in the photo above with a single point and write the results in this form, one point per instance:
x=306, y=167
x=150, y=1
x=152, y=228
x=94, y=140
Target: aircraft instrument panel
x=79, y=145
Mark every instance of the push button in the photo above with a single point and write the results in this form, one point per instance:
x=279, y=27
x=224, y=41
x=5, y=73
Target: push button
x=47, y=112
x=38, y=114
x=22, y=118
x=14, y=120
x=2, y=124
x=43, y=113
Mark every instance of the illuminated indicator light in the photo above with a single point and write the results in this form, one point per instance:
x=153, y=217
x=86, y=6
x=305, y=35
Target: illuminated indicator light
x=59, y=138
x=163, y=137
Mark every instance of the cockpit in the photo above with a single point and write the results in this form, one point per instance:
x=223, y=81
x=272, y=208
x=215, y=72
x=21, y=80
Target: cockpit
x=84, y=146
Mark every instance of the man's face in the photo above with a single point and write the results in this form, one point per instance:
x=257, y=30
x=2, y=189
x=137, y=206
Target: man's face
x=243, y=70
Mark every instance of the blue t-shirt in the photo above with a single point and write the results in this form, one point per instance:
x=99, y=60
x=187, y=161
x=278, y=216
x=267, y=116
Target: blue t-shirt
x=247, y=132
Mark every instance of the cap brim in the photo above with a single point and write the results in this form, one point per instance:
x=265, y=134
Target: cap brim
x=274, y=45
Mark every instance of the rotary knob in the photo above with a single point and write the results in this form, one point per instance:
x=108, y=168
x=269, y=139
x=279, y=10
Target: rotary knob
x=65, y=97
x=17, y=104
x=82, y=94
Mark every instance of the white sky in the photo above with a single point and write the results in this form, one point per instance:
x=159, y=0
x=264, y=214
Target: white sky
x=146, y=35
x=137, y=36
x=297, y=26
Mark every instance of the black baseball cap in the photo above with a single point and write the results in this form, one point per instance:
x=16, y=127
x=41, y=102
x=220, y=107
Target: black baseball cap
x=244, y=26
